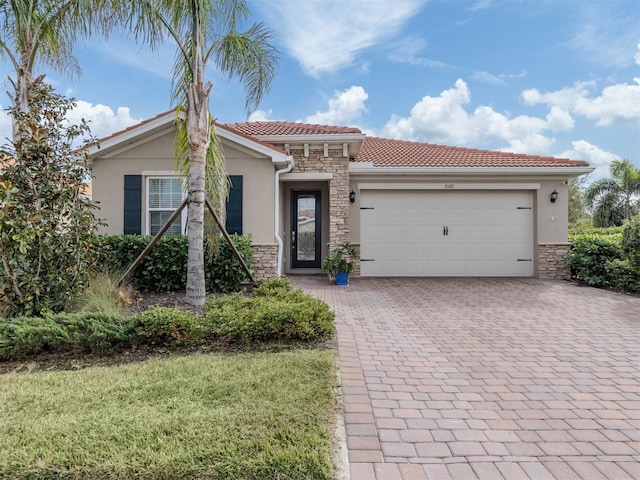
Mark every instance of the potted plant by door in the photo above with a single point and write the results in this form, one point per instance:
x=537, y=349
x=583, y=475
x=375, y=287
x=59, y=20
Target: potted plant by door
x=339, y=263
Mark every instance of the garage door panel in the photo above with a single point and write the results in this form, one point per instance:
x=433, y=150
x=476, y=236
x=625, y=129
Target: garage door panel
x=487, y=233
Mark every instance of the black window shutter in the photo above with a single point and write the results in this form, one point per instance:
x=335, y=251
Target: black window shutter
x=234, y=205
x=132, y=204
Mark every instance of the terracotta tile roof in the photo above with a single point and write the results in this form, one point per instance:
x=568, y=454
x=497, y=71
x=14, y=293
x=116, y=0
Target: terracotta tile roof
x=248, y=137
x=383, y=152
x=288, y=128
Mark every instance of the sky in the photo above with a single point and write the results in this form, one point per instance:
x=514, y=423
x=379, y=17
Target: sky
x=542, y=77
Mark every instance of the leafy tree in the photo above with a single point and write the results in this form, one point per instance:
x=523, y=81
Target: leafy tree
x=46, y=224
x=612, y=199
x=204, y=31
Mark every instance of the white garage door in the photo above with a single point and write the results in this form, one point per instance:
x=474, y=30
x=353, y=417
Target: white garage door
x=442, y=233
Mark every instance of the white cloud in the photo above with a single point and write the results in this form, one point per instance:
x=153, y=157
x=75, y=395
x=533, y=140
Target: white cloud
x=444, y=119
x=327, y=35
x=103, y=121
x=637, y=56
x=598, y=158
x=618, y=103
x=261, y=116
x=345, y=108
x=407, y=50
x=560, y=120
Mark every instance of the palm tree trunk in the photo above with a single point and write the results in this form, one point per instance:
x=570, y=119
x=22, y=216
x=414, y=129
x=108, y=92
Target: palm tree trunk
x=196, y=289
x=198, y=130
x=23, y=87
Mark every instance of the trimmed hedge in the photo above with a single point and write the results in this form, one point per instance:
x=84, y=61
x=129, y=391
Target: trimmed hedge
x=169, y=327
x=165, y=268
x=589, y=256
x=277, y=311
x=23, y=337
x=587, y=228
x=609, y=258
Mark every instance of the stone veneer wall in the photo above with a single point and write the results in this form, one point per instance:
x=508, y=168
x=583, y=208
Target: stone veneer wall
x=552, y=260
x=337, y=165
x=356, y=267
x=265, y=260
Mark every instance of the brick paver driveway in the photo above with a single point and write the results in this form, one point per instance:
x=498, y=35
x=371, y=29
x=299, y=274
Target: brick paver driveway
x=487, y=378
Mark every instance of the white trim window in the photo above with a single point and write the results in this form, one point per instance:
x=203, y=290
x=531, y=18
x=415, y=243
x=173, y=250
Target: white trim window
x=164, y=195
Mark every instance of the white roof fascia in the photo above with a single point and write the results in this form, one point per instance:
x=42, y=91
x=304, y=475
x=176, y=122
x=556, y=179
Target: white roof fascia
x=323, y=138
x=560, y=171
x=157, y=124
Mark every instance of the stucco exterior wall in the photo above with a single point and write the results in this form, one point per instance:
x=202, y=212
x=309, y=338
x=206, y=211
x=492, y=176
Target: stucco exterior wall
x=155, y=157
x=258, y=202
x=154, y=154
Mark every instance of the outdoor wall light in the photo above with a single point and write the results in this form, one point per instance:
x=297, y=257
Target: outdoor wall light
x=554, y=196
x=352, y=197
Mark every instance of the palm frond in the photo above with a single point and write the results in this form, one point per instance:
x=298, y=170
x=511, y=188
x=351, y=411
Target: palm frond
x=250, y=57
x=599, y=188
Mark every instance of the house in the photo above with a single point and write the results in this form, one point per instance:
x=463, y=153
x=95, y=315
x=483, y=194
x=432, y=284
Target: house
x=412, y=209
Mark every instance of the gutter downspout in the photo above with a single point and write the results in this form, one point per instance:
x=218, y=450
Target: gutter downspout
x=288, y=168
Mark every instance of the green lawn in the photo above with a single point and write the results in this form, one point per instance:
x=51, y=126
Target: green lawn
x=202, y=416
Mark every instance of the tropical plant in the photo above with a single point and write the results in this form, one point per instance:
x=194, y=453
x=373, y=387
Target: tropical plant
x=41, y=31
x=204, y=31
x=612, y=199
x=340, y=259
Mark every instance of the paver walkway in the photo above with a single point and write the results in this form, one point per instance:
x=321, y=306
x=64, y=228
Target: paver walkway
x=487, y=378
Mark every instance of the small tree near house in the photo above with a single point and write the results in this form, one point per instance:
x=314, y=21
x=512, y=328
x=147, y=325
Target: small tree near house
x=46, y=224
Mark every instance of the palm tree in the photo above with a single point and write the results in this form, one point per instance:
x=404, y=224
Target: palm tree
x=41, y=31
x=204, y=31
x=612, y=198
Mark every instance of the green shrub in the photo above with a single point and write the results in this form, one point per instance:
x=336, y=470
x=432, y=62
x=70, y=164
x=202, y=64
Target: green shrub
x=587, y=228
x=79, y=332
x=169, y=327
x=276, y=312
x=630, y=242
x=280, y=287
x=588, y=259
x=623, y=275
x=223, y=272
x=165, y=268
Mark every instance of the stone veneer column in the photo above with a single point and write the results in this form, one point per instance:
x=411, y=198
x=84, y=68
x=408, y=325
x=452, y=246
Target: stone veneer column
x=265, y=260
x=552, y=259
x=337, y=165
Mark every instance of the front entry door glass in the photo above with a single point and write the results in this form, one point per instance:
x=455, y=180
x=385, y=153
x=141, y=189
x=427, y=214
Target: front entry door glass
x=305, y=229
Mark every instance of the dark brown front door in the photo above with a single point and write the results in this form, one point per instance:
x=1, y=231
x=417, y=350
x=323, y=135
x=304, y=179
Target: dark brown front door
x=305, y=229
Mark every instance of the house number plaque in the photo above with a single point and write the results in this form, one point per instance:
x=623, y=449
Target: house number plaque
x=449, y=186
